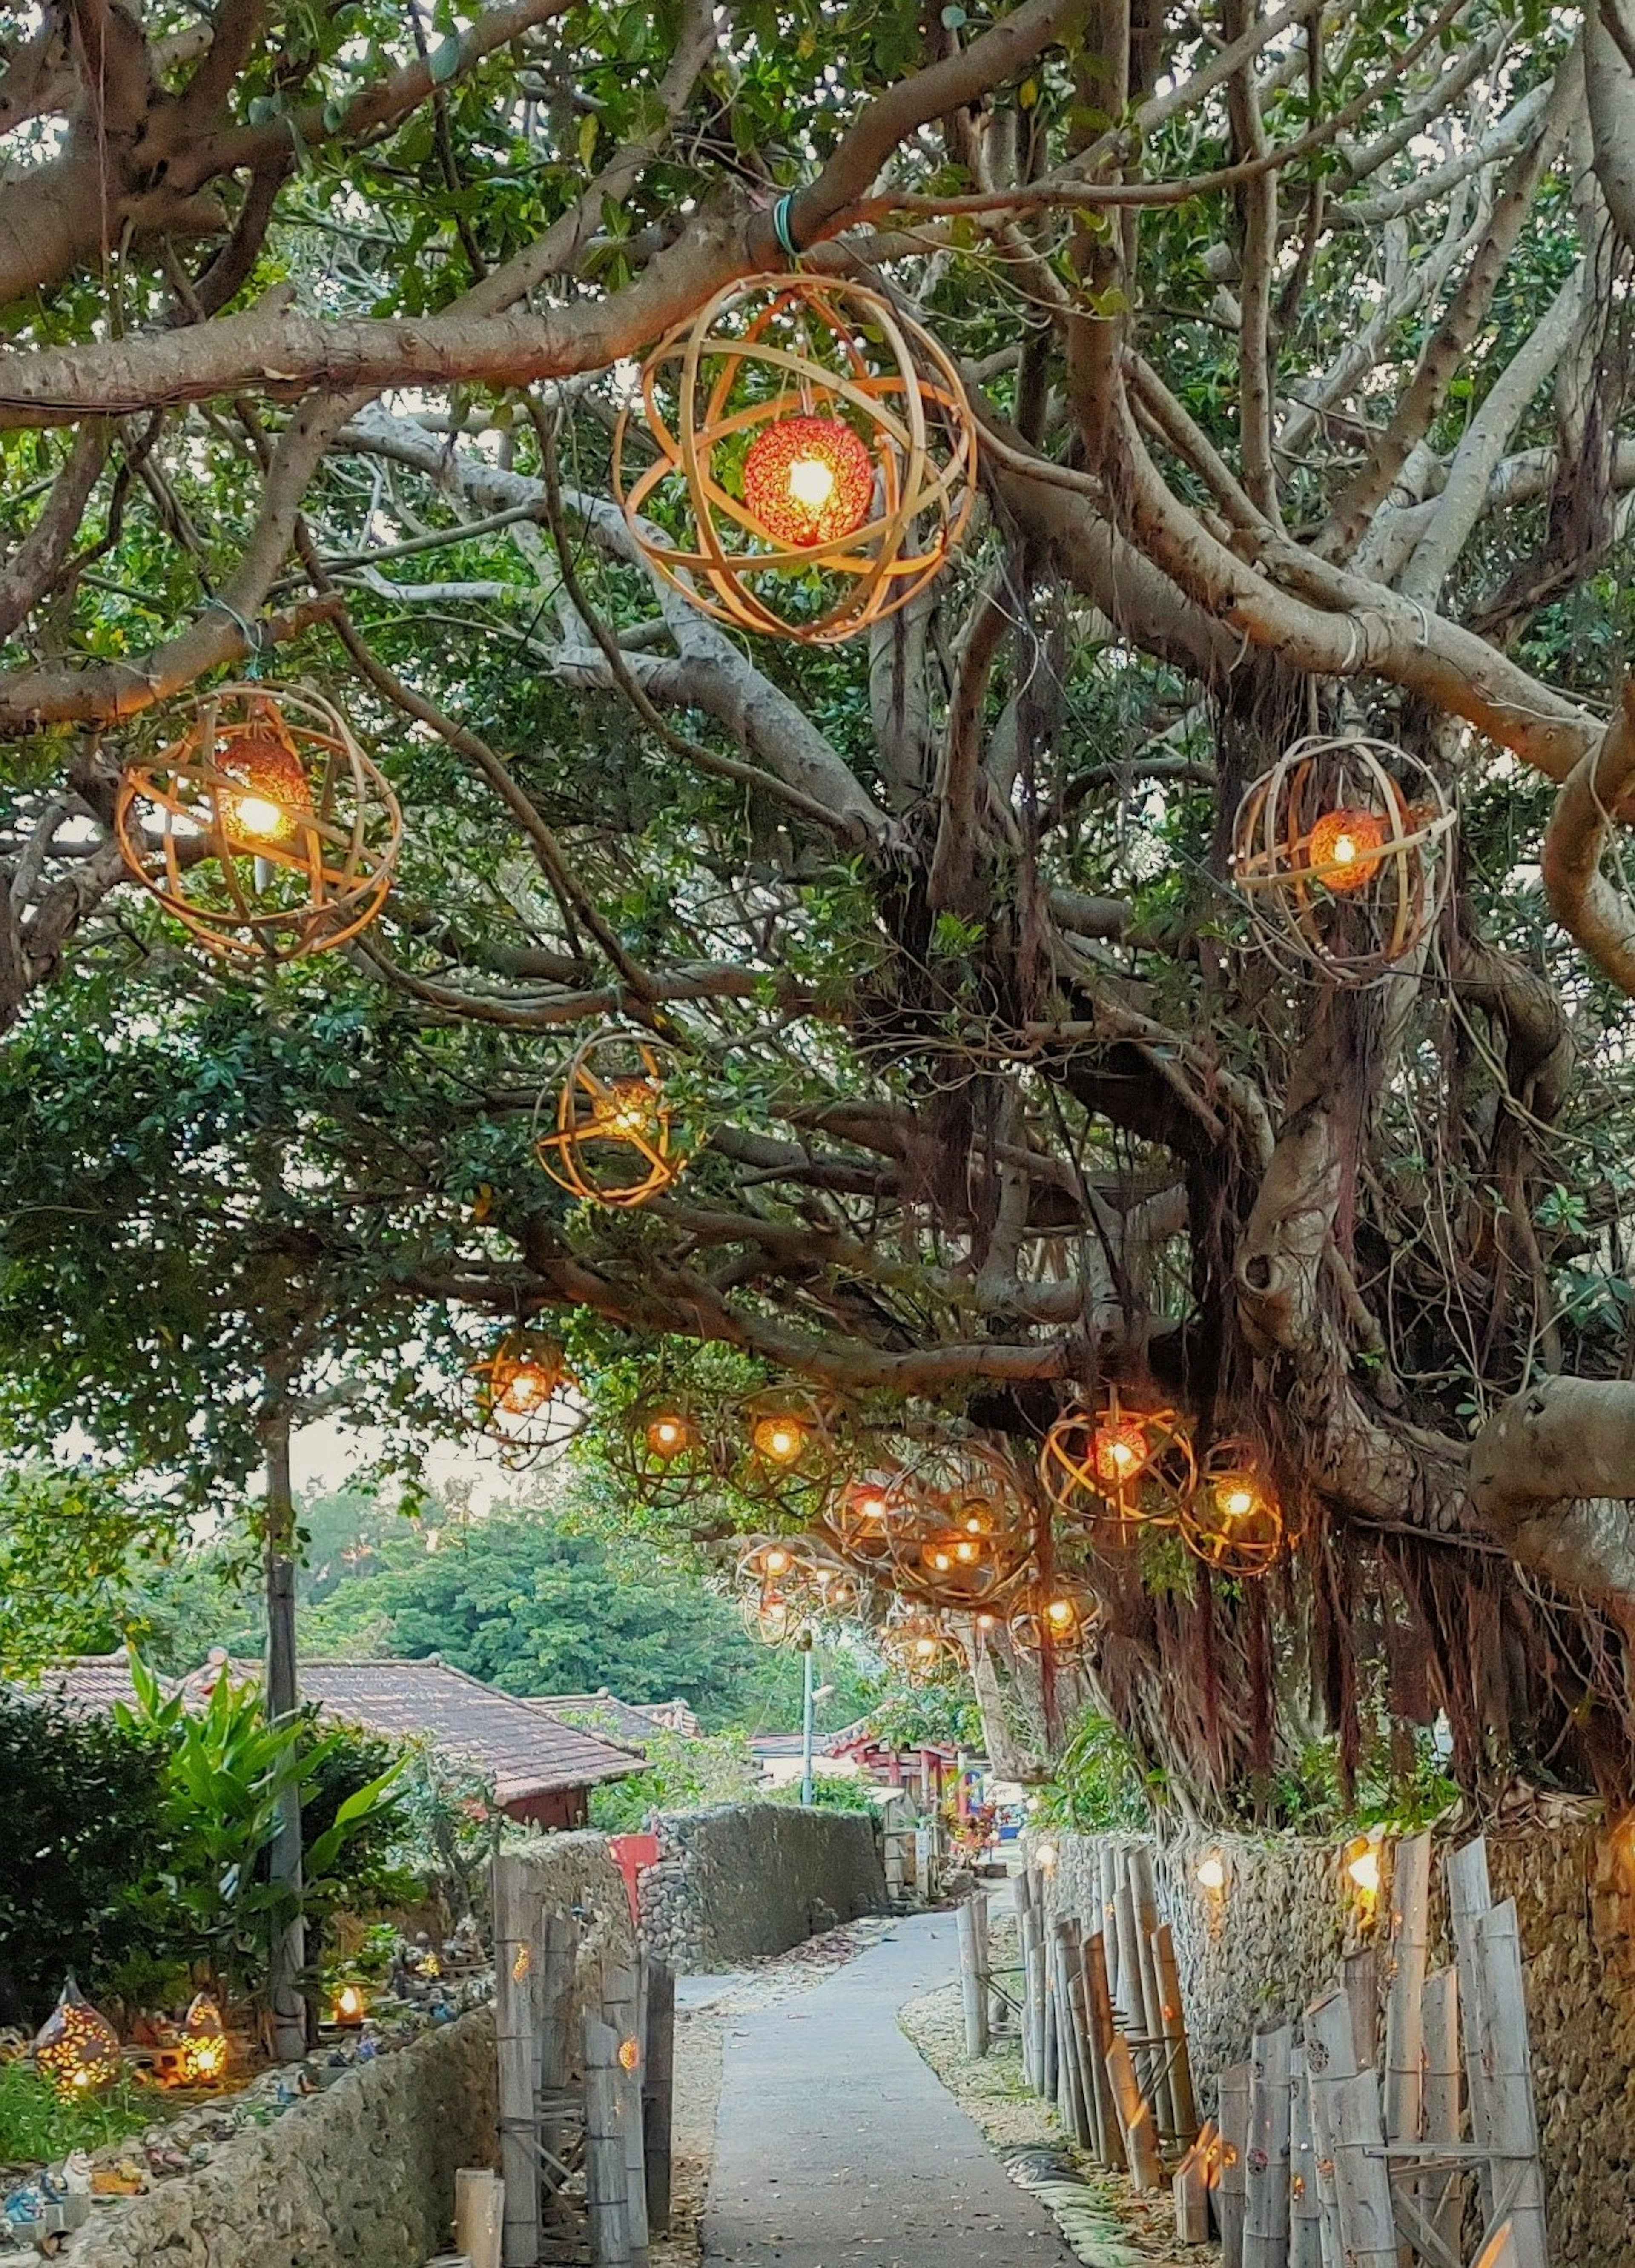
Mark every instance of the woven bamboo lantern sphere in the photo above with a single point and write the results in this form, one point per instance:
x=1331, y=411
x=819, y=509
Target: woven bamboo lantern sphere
x=861, y=1516
x=265, y=828
x=1342, y=848
x=816, y=463
x=790, y=1452
x=660, y=1446
x=1118, y=1469
x=966, y=1529
x=519, y=1389
x=919, y=1644
x=77, y=2048
x=1055, y=1616
x=1234, y=1522
x=615, y=1142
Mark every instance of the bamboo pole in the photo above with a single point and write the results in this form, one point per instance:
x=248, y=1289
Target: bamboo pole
x=1405, y=2014
x=658, y=2096
x=606, y=2181
x=1175, y=2020
x=557, y=2035
x=1135, y=2117
x=515, y=1901
x=972, y=1987
x=479, y=2215
x=620, y=2008
x=1099, y=2013
x=1073, y=2096
x=1304, y=2205
x=1507, y=2076
x=1470, y=1895
x=1361, y=1971
x=1095, y=2125
x=1441, y=2202
x=1346, y=2110
x=1127, y=1999
x=1229, y=2198
x=1189, y=2185
x=1107, y=1862
x=1143, y=1898
x=1266, y=2169
x=1033, y=2002
x=997, y=2014
x=1020, y=1890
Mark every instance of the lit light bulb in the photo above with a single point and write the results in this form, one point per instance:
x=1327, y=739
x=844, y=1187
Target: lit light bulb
x=1211, y=1872
x=811, y=482
x=985, y=1622
x=349, y=2005
x=259, y=816
x=626, y=1110
x=667, y=1435
x=941, y=1561
x=779, y=1440
x=967, y=1552
x=1364, y=1870
x=1344, y=848
x=775, y=1562
x=1059, y=1613
x=1235, y=1499
x=528, y=1389
x=1045, y=1854
x=924, y=1647
x=976, y=1525
x=1119, y=1452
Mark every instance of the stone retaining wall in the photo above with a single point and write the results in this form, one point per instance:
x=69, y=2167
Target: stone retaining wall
x=1254, y=1953
x=363, y=2173
x=756, y=1878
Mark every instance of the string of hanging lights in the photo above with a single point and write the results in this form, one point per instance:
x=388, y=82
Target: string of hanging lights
x=264, y=827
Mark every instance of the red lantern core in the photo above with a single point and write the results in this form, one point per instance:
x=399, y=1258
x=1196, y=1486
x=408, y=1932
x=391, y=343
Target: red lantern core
x=809, y=480
x=1118, y=1451
x=1344, y=849
x=274, y=796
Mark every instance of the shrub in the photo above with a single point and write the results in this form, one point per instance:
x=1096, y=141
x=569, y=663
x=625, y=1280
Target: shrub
x=85, y=1802
x=37, y=2126
x=682, y=1774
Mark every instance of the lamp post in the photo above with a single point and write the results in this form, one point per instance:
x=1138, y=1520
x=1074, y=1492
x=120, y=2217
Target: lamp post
x=808, y=1715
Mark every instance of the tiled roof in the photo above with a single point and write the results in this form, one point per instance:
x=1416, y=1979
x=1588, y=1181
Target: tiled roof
x=520, y=1748
x=628, y=1721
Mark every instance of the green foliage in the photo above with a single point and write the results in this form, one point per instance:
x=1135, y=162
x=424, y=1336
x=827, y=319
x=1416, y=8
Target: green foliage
x=1098, y=1785
x=1400, y=1785
x=36, y=2126
x=682, y=1774
x=86, y=1812
x=941, y=1710
x=830, y=1792
x=226, y=1770
x=67, y=1538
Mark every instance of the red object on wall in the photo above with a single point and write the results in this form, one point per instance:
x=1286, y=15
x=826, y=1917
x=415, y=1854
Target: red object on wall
x=630, y=1853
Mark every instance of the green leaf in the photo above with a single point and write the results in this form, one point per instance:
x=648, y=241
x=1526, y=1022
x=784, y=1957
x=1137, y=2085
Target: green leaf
x=444, y=60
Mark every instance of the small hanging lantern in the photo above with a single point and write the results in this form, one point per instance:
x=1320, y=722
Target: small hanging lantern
x=1211, y=1873
x=816, y=458
x=1118, y=1469
x=862, y=1515
x=919, y=1644
x=1342, y=848
x=350, y=2007
x=791, y=1581
x=1054, y=1615
x=521, y=1393
x=77, y=2048
x=971, y=1527
x=661, y=1447
x=790, y=1450
x=615, y=1142
x=204, y=2042
x=1361, y=1862
x=265, y=827
x=1234, y=1521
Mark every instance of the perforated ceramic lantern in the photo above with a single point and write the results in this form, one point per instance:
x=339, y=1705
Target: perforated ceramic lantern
x=77, y=2048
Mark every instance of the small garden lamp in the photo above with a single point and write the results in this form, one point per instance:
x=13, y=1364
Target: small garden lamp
x=77, y=2048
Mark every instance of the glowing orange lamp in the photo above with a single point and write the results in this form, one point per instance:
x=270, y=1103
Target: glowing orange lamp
x=809, y=480
x=275, y=795
x=77, y=2048
x=1118, y=1450
x=778, y=1439
x=668, y=1433
x=1344, y=850
x=348, y=2006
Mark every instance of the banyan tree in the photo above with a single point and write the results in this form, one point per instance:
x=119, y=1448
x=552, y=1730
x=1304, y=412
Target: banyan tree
x=1001, y=641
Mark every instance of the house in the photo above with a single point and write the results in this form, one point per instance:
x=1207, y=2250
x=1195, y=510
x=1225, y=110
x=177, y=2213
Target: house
x=629, y=1723
x=781, y=1758
x=541, y=1768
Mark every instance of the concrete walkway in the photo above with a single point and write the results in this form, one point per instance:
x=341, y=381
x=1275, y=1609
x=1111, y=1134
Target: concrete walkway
x=837, y=2147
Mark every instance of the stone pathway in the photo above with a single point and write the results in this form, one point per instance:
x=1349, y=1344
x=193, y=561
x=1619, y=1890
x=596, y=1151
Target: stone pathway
x=837, y=2148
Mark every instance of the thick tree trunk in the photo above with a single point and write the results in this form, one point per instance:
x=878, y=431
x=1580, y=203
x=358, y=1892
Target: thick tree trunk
x=1553, y=1474
x=289, y=1951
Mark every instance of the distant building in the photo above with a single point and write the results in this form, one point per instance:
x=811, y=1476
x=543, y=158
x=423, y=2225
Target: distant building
x=628, y=1722
x=541, y=1768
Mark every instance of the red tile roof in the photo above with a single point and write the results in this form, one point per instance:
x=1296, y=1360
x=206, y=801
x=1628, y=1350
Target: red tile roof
x=517, y=1745
x=630, y=1722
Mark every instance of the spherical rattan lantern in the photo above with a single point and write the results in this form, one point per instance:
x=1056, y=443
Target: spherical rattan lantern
x=616, y=1140
x=918, y=1644
x=1235, y=1521
x=1055, y=1616
x=791, y=1451
x=77, y=2048
x=861, y=1515
x=1120, y=1468
x=1343, y=851
x=521, y=1388
x=662, y=1448
x=265, y=827
x=816, y=458
x=966, y=1529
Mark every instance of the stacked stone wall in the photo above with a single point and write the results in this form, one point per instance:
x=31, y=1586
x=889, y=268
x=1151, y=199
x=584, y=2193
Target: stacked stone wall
x=756, y=1878
x=1252, y=1954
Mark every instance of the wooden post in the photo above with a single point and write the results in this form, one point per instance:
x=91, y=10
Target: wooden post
x=1229, y=2198
x=558, y=2033
x=1099, y=2014
x=1405, y=2019
x=1106, y=1867
x=1127, y=1999
x=1345, y=2104
x=1470, y=1895
x=998, y=2015
x=1507, y=2080
x=1135, y=2117
x=1143, y=1898
x=1305, y=2207
x=1361, y=1971
x=1033, y=2001
x=659, y=2095
x=606, y=2180
x=1095, y=2126
x=514, y=1912
x=973, y=1985
x=1439, y=2195
x=1190, y=2185
x=1175, y=2018
x=1266, y=2168
x=1020, y=1890
x=479, y=2215
x=620, y=2008
x=1075, y=2062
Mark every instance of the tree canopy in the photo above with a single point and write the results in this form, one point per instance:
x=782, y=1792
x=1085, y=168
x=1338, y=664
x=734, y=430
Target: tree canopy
x=1295, y=343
